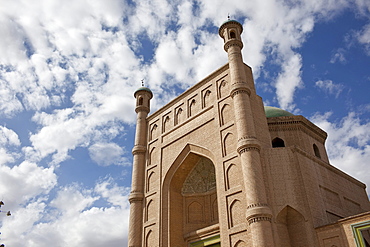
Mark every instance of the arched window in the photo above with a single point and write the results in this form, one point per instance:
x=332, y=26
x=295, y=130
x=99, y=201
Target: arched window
x=316, y=151
x=141, y=100
x=278, y=143
x=232, y=35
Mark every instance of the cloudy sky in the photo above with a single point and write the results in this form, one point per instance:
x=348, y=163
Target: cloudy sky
x=68, y=70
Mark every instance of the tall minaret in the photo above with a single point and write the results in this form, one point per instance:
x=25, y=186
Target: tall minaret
x=143, y=96
x=258, y=212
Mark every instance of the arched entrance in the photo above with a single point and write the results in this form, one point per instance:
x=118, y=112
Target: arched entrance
x=190, y=207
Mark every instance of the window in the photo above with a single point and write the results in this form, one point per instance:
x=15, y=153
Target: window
x=316, y=151
x=361, y=231
x=278, y=143
x=232, y=35
x=141, y=100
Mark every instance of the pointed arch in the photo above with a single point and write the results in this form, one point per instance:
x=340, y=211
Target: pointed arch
x=240, y=243
x=140, y=100
x=229, y=144
x=166, y=122
x=153, y=157
x=236, y=217
x=149, y=239
x=149, y=186
x=179, y=115
x=174, y=201
x=278, y=143
x=291, y=227
x=153, y=131
x=195, y=212
x=223, y=88
x=226, y=114
x=232, y=171
x=232, y=34
x=206, y=98
x=191, y=107
x=150, y=210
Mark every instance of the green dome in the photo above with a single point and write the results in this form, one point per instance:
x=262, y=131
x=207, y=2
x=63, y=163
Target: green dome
x=271, y=111
x=229, y=21
x=143, y=89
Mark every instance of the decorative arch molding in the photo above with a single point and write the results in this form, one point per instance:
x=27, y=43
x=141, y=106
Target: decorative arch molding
x=150, y=210
x=174, y=201
x=229, y=144
x=223, y=88
x=188, y=149
x=231, y=171
x=153, y=132
x=206, y=98
x=240, y=243
x=236, y=217
x=150, y=186
x=149, y=239
x=291, y=226
x=226, y=114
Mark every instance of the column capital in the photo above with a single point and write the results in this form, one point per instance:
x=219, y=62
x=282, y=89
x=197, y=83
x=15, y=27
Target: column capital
x=246, y=144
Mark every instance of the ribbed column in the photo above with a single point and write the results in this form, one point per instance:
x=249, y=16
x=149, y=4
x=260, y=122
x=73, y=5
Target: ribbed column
x=258, y=213
x=136, y=197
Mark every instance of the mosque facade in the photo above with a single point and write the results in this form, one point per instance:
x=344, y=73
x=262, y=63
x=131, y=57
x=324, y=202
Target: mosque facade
x=215, y=167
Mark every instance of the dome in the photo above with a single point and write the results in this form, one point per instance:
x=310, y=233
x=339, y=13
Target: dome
x=229, y=21
x=143, y=89
x=271, y=111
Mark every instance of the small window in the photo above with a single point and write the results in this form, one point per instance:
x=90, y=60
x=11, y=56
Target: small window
x=278, y=143
x=141, y=100
x=316, y=151
x=232, y=35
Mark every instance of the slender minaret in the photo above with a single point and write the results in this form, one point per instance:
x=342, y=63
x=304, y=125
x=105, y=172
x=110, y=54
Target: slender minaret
x=258, y=213
x=143, y=96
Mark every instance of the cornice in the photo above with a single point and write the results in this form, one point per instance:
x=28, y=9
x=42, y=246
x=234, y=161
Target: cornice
x=299, y=122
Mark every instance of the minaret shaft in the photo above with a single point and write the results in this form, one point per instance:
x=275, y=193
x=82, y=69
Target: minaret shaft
x=258, y=213
x=136, y=198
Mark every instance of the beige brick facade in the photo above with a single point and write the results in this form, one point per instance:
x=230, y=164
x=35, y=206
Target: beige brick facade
x=210, y=169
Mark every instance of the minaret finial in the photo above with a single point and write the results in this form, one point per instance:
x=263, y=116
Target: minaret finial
x=228, y=16
x=142, y=82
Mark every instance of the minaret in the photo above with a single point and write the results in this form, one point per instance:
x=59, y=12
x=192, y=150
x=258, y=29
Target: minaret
x=143, y=96
x=258, y=213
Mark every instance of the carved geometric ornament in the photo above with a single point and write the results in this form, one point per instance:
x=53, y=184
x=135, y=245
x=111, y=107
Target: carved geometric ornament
x=201, y=178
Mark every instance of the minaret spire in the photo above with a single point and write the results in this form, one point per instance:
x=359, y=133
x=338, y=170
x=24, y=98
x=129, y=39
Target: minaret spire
x=258, y=213
x=136, y=198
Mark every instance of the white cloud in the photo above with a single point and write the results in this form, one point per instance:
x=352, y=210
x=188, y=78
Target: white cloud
x=25, y=181
x=364, y=37
x=105, y=154
x=71, y=219
x=288, y=81
x=339, y=56
x=330, y=87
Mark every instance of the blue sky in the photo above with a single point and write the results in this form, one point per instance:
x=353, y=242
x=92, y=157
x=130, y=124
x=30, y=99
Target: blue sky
x=68, y=70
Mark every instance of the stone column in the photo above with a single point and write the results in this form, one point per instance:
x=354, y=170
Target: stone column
x=258, y=213
x=136, y=198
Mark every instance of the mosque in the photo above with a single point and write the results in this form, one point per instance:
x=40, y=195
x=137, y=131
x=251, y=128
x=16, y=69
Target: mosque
x=215, y=167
